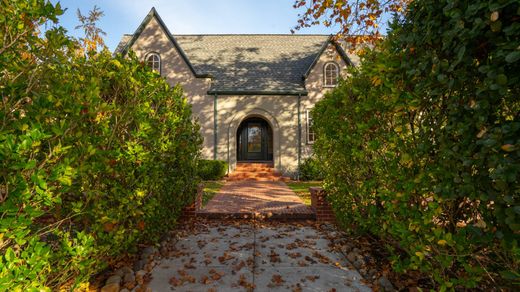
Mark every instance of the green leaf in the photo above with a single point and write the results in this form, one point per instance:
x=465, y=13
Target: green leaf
x=9, y=254
x=502, y=79
x=513, y=57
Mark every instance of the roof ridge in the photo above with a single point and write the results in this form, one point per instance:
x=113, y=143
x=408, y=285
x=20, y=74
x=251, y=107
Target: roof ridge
x=250, y=34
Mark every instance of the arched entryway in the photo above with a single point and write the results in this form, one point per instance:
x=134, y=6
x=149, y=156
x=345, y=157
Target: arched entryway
x=254, y=140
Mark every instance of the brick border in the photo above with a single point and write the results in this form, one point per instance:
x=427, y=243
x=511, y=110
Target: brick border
x=321, y=206
x=190, y=211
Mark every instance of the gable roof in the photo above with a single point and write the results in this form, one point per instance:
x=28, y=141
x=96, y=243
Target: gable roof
x=246, y=63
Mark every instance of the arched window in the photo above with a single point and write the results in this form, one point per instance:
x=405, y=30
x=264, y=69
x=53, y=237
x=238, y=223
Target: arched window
x=330, y=74
x=153, y=60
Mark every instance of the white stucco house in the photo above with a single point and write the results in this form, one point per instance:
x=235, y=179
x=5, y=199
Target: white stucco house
x=250, y=93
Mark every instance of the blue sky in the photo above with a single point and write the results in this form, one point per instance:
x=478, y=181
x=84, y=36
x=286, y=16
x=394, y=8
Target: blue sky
x=190, y=16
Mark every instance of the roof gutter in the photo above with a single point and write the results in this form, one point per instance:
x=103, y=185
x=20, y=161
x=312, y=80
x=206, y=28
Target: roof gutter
x=256, y=92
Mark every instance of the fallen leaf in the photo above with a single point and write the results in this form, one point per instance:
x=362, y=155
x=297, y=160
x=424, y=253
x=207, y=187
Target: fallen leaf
x=205, y=280
x=222, y=259
x=239, y=266
x=174, y=281
x=312, y=278
x=277, y=280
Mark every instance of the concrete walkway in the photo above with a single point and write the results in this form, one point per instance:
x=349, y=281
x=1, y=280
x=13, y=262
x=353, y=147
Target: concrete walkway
x=254, y=256
x=264, y=198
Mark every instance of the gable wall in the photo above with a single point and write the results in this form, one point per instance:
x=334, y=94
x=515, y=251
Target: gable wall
x=316, y=90
x=175, y=70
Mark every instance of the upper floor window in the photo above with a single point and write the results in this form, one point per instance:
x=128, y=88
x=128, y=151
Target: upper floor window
x=153, y=60
x=330, y=74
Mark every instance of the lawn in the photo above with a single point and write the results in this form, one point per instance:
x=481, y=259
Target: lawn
x=211, y=188
x=301, y=188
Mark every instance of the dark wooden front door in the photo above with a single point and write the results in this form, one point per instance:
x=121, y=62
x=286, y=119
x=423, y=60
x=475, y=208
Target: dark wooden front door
x=254, y=141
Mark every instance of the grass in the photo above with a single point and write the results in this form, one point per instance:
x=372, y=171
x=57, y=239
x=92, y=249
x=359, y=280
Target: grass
x=211, y=188
x=301, y=188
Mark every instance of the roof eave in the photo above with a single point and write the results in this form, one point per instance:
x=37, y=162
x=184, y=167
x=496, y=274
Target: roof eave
x=257, y=92
x=340, y=50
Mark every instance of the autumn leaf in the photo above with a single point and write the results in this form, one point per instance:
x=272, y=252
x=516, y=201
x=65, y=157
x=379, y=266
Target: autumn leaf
x=174, y=281
x=508, y=147
x=109, y=226
x=312, y=278
x=277, y=280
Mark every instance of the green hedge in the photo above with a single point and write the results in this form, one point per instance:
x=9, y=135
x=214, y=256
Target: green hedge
x=310, y=169
x=427, y=153
x=212, y=169
x=97, y=154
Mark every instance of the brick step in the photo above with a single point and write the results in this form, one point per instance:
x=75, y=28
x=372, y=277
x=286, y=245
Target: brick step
x=263, y=216
x=254, y=172
x=255, y=179
x=257, y=174
x=254, y=167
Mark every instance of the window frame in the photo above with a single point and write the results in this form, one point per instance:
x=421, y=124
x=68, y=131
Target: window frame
x=151, y=55
x=336, y=66
x=308, y=126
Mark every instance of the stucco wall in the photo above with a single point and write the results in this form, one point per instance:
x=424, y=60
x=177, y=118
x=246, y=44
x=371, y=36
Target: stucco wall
x=175, y=70
x=316, y=89
x=281, y=112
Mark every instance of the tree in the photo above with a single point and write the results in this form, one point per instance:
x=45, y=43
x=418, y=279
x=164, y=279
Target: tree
x=93, y=34
x=359, y=21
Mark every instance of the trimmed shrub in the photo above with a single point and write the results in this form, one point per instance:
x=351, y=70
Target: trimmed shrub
x=212, y=169
x=310, y=169
x=421, y=144
x=97, y=154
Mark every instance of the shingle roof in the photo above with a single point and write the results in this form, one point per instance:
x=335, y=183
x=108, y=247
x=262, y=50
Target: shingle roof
x=122, y=43
x=247, y=62
x=253, y=62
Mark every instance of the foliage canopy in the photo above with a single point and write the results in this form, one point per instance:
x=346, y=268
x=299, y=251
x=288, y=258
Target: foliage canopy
x=97, y=153
x=427, y=153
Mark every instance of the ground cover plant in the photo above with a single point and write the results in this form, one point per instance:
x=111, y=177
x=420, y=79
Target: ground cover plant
x=212, y=169
x=301, y=188
x=97, y=153
x=211, y=188
x=421, y=144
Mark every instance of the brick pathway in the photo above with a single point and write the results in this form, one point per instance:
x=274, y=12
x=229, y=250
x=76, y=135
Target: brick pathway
x=270, y=199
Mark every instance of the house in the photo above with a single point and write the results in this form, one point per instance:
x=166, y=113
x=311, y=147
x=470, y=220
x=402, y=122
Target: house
x=250, y=93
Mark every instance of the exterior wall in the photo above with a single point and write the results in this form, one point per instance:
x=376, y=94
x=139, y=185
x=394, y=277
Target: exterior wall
x=281, y=112
x=316, y=90
x=176, y=71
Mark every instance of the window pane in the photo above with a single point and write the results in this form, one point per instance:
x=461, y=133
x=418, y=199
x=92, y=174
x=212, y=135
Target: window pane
x=254, y=138
x=154, y=62
x=331, y=74
x=310, y=131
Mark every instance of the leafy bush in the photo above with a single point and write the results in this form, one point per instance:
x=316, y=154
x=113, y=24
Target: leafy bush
x=310, y=169
x=426, y=155
x=97, y=154
x=212, y=169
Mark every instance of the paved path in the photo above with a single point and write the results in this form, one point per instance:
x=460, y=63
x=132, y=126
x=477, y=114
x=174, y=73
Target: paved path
x=258, y=197
x=249, y=256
